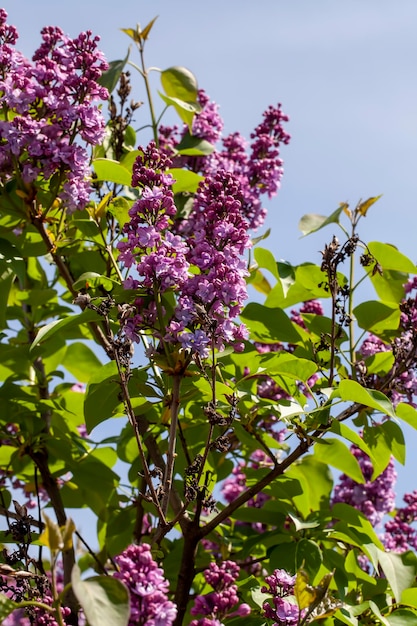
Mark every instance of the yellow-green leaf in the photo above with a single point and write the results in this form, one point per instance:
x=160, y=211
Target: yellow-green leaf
x=304, y=593
x=52, y=535
x=364, y=206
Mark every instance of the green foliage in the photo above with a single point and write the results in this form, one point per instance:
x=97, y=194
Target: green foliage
x=103, y=599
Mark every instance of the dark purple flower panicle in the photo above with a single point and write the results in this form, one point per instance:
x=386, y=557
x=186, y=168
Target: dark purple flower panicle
x=374, y=498
x=283, y=608
x=203, y=262
x=399, y=534
x=223, y=601
x=149, y=604
x=51, y=104
x=217, y=237
x=260, y=170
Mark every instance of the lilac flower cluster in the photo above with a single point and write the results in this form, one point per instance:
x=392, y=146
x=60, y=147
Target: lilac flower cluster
x=283, y=610
x=374, y=498
x=203, y=263
x=217, y=238
x=258, y=171
x=402, y=378
x=149, y=604
x=399, y=534
x=223, y=601
x=48, y=104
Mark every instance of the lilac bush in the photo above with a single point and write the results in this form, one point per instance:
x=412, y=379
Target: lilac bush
x=216, y=488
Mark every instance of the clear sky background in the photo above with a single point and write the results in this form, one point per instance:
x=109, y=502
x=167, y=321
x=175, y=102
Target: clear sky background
x=345, y=73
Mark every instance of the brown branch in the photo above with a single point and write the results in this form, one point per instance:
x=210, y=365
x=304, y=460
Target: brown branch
x=278, y=470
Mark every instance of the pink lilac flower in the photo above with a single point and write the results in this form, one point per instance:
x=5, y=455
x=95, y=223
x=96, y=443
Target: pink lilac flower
x=283, y=608
x=374, y=498
x=51, y=105
x=203, y=262
x=257, y=167
x=223, y=601
x=399, y=534
x=149, y=604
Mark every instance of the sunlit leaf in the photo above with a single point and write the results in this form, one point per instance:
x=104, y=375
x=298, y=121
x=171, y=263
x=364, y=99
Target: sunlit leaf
x=112, y=171
x=145, y=32
x=313, y=222
x=104, y=599
x=179, y=82
x=186, y=110
x=185, y=180
x=110, y=77
x=337, y=454
x=352, y=391
x=364, y=206
x=51, y=537
x=304, y=593
x=399, y=573
x=390, y=258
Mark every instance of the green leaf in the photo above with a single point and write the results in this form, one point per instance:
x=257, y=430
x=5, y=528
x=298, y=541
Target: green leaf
x=285, y=364
x=337, y=454
x=357, y=525
x=377, y=317
x=402, y=617
x=299, y=284
x=270, y=325
x=351, y=391
x=374, y=608
x=102, y=395
x=313, y=222
x=112, y=171
x=407, y=413
x=7, y=606
x=179, y=82
x=119, y=208
x=399, y=573
x=380, y=449
x=395, y=439
x=110, y=77
x=390, y=258
x=185, y=110
x=390, y=286
x=92, y=279
x=259, y=282
x=81, y=362
x=194, y=146
x=58, y=325
x=409, y=597
x=265, y=259
x=185, y=180
x=312, y=472
x=104, y=599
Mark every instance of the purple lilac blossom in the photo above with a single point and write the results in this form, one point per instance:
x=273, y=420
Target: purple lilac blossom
x=203, y=263
x=283, y=609
x=256, y=166
x=399, y=534
x=51, y=103
x=149, y=604
x=374, y=498
x=223, y=601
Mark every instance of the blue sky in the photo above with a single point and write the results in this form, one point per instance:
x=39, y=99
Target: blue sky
x=345, y=72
